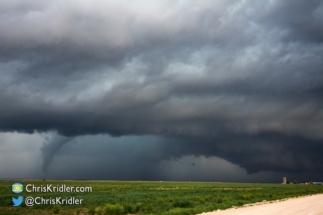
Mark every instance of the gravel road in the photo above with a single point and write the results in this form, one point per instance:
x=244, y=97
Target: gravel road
x=308, y=205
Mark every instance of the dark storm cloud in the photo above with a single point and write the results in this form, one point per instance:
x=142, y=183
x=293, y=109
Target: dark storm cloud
x=261, y=152
x=289, y=15
x=247, y=71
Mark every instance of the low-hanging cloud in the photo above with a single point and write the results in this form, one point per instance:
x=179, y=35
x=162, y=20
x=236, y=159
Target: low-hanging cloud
x=200, y=71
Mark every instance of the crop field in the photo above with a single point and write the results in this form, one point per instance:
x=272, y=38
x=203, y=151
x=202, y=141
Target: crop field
x=137, y=197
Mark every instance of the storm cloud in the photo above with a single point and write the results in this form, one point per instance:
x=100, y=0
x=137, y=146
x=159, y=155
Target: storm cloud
x=239, y=80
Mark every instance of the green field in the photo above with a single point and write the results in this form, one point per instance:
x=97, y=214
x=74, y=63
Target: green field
x=164, y=198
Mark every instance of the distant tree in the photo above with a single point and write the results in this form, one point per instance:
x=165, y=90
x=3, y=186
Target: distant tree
x=295, y=182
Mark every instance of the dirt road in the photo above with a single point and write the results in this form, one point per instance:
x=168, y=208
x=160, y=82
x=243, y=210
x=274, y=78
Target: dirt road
x=308, y=205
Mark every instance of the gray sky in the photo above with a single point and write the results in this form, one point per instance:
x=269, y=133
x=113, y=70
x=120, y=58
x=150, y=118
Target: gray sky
x=173, y=90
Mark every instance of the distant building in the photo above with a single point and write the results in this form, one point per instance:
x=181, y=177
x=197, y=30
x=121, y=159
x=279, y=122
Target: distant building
x=318, y=183
x=284, y=180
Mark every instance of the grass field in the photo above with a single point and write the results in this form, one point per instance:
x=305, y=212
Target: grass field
x=164, y=198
